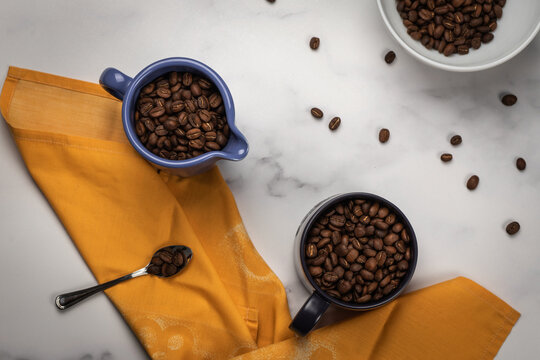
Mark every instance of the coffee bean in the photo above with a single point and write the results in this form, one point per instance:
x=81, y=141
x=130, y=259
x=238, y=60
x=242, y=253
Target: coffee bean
x=314, y=43
x=371, y=264
x=363, y=299
x=317, y=113
x=334, y=123
x=156, y=260
x=384, y=135
x=512, y=228
x=456, y=140
x=315, y=271
x=172, y=105
x=446, y=157
x=509, y=99
x=154, y=269
x=311, y=251
x=178, y=260
x=390, y=57
x=472, y=183
x=521, y=164
x=166, y=257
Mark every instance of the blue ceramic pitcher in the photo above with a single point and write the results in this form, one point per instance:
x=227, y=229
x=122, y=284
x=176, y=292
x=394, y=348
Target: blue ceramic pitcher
x=127, y=89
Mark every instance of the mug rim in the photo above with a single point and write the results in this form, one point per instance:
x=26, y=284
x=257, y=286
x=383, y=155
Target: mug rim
x=152, y=71
x=324, y=206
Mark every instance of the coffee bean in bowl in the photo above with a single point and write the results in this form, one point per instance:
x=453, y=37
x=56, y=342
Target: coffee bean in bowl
x=356, y=251
x=180, y=115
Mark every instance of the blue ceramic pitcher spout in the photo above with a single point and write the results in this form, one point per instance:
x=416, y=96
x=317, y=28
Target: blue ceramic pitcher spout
x=127, y=89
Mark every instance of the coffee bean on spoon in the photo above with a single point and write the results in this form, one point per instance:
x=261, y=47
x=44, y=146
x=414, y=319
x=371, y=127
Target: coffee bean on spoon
x=512, y=228
x=472, y=183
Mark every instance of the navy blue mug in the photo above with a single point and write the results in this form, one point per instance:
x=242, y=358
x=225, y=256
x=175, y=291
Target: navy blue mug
x=127, y=89
x=313, y=309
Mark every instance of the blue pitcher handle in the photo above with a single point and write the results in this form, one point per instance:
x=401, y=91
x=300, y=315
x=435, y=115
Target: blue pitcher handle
x=115, y=82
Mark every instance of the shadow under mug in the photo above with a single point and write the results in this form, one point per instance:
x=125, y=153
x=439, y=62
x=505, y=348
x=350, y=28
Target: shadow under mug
x=127, y=89
x=313, y=309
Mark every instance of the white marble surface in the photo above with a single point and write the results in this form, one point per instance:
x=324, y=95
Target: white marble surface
x=261, y=51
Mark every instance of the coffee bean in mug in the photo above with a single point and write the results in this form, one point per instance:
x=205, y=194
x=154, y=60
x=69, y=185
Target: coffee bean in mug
x=351, y=263
x=179, y=116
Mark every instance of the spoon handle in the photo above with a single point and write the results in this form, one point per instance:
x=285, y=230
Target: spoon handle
x=67, y=300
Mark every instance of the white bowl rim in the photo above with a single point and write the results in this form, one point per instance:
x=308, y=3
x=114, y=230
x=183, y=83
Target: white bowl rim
x=464, y=68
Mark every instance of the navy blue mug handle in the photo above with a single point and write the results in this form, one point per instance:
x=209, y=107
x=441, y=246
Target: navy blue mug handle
x=309, y=314
x=115, y=82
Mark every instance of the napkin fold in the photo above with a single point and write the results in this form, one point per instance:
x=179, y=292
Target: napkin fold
x=227, y=303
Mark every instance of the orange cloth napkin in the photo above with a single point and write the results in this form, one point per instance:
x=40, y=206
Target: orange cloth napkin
x=227, y=303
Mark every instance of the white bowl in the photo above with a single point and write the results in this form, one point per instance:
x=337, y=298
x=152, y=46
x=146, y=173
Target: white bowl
x=515, y=30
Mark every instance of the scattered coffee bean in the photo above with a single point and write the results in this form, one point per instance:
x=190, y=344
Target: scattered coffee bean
x=166, y=262
x=334, y=123
x=451, y=27
x=384, y=135
x=349, y=260
x=173, y=105
x=317, y=113
x=509, y=99
x=521, y=164
x=456, y=140
x=472, y=183
x=271, y=1
x=390, y=57
x=446, y=157
x=512, y=228
x=314, y=43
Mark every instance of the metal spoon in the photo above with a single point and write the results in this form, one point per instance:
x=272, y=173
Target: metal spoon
x=166, y=262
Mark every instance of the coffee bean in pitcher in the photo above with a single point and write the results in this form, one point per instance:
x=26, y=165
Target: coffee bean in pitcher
x=358, y=251
x=181, y=115
x=451, y=26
